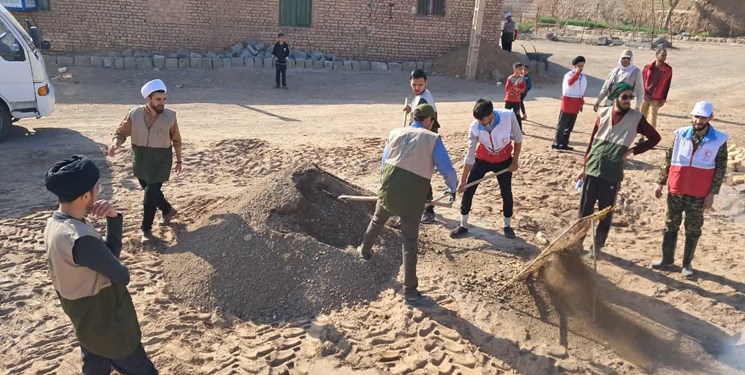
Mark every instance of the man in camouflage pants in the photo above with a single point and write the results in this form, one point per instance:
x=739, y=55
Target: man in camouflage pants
x=694, y=171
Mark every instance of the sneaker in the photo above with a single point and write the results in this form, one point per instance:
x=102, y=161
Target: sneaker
x=147, y=237
x=168, y=217
x=365, y=255
x=509, y=232
x=555, y=147
x=285, y=87
x=566, y=148
x=687, y=272
x=428, y=217
x=457, y=232
x=276, y=86
x=525, y=117
x=641, y=140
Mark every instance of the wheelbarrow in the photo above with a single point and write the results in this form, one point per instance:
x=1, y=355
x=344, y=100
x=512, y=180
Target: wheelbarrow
x=537, y=57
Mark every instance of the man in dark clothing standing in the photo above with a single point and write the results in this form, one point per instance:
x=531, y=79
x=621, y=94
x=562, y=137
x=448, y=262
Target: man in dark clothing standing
x=90, y=281
x=281, y=51
x=609, y=147
x=509, y=32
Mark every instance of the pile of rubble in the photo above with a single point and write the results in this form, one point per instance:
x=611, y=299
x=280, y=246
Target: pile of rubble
x=736, y=163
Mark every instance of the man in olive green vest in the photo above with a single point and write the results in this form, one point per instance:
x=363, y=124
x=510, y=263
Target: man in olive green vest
x=609, y=147
x=90, y=281
x=409, y=159
x=155, y=138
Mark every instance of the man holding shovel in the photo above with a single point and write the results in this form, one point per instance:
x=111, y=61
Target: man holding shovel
x=418, y=82
x=494, y=143
x=409, y=159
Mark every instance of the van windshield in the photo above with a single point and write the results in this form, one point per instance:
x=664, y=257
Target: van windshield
x=5, y=15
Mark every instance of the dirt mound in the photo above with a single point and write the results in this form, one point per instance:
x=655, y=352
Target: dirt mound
x=282, y=249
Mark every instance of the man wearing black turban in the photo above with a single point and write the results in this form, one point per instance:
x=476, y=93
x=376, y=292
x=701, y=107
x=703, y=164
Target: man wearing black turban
x=90, y=281
x=609, y=147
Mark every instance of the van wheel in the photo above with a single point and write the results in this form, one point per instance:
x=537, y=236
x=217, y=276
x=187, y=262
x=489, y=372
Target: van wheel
x=6, y=122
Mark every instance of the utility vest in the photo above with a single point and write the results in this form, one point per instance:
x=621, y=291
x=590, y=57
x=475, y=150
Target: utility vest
x=495, y=146
x=411, y=149
x=70, y=280
x=692, y=172
x=151, y=147
x=611, y=142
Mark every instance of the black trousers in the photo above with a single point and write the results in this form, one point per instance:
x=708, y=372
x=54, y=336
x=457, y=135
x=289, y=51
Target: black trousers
x=154, y=200
x=507, y=41
x=280, y=71
x=515, y=107
x=603, y=192
x=479, y=170
x=564, y=129
x=430, y=196
x=522, y=102
x=136, y=364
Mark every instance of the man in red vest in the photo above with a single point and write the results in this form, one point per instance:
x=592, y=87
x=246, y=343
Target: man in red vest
x=694, y=171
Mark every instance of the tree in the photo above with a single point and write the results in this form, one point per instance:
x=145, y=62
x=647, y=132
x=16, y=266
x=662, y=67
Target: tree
x=672, y=4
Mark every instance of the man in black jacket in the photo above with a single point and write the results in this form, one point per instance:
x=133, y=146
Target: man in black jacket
x=281, y=51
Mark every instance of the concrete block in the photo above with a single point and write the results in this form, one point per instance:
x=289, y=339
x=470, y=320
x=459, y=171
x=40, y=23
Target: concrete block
x=396, y=67
x=96, y=61
x=82, y=61
x=290, y=63
x=195, y=62
x=216, y=63
x=236, y=62
x=206, y=63
x=348, y=64
x=268, y=63
x=130, y=63
x=171, y=63
x=183, y=62
x=317, y=64
x=378, y=66
x=361, y=65
x=420, y=64
x=300, y=64
x=248, y=62
x=338, y=65
x=108, y=62
x=308, y=63
x=227, y=62
x=428, y=65
x=258, y=62
x=144, y=63
x=328, y=64
x=65, y=61
x=159, y=61
x=118, y=62
x=409, y=66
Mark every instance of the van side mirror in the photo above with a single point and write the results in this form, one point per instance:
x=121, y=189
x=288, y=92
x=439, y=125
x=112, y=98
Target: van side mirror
x=35, y=34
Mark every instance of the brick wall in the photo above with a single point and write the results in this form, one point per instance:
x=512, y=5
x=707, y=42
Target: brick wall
x=364, y=29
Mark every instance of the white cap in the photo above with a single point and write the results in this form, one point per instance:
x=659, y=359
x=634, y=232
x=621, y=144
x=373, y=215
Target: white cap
x=627, y=53
x=703, y=109
x=151, y=87
x=508, y=14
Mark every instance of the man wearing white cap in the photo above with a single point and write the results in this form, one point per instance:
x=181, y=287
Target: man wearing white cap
x=627, y=72
x=155, y=138
x=694, y=171
x=509, y=32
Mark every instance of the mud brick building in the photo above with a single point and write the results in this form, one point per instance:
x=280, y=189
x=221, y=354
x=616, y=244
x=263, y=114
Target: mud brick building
x=370, y=29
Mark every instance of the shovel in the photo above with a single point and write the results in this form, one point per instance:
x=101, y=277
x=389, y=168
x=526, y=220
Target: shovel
x=374, y=198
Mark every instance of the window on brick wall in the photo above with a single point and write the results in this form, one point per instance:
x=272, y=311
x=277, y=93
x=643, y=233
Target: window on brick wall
x=430, y=7
x=295, y=12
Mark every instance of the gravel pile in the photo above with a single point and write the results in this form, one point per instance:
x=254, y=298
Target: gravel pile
x=282, y=249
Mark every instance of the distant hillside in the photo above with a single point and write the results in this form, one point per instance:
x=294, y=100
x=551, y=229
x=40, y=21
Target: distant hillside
x=714, y=17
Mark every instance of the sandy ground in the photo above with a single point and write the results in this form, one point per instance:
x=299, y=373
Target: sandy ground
x=237, y=129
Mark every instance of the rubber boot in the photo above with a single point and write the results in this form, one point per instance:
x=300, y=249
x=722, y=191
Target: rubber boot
x=690, y=249
x=600, y=238
x=669, y=240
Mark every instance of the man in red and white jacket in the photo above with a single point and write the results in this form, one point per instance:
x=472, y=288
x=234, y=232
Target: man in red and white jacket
x=572, y=100
x=694, y=171
x=494, y=143
x=657, y=77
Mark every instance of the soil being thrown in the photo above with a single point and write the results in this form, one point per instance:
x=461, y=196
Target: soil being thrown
x=282, y=249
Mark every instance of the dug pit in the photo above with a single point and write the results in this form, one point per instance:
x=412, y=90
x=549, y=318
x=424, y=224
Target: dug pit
x=282, y=249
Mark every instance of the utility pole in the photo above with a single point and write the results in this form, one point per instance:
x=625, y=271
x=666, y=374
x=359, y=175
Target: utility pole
x=479, y=9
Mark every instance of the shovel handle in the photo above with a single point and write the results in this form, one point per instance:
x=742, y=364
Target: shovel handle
x=373, y=198
x=480, y=180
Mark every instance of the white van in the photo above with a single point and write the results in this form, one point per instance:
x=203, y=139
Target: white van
x=25, y=90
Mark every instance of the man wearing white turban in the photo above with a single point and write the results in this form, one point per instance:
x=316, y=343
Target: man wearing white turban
x=155, y=138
